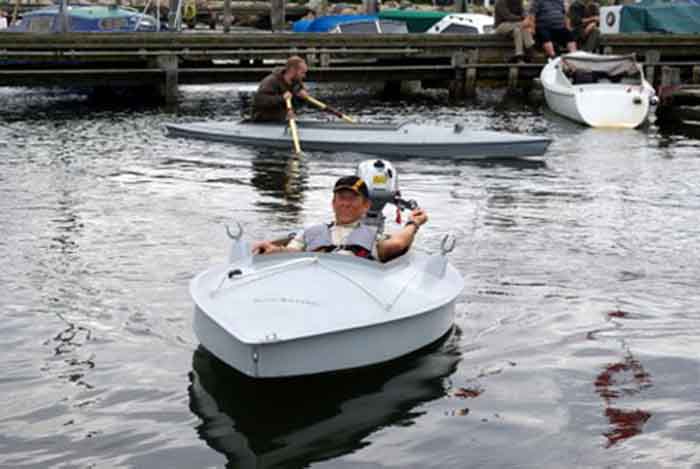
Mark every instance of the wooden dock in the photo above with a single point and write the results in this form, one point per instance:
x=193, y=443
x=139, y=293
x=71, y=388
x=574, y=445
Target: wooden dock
x=163, y=61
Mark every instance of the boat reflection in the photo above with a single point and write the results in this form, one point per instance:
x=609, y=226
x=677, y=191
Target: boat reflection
x=294, y=422
x=281, y=179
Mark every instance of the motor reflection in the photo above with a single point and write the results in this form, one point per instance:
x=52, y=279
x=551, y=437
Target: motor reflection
x=293, y=422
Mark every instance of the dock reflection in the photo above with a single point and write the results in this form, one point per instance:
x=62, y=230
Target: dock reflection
x=294, y=422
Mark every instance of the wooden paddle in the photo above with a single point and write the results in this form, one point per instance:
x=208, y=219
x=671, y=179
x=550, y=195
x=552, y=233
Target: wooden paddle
x=326, y=107
x=293, y=127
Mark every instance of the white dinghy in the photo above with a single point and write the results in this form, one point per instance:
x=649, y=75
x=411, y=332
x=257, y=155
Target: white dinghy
x=294, y=314
x=598, y=90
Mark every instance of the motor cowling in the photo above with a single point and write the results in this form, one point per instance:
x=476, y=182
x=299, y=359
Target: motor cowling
x=382, y=183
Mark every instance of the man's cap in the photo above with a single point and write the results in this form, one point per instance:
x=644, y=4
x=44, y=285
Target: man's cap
x=352, y=183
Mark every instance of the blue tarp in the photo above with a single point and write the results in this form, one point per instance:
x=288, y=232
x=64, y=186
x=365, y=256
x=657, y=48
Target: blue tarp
x=323, y=24
x=660, y=17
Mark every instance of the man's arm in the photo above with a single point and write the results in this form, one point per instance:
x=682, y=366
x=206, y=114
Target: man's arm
x=400, y=241
x=296, y=244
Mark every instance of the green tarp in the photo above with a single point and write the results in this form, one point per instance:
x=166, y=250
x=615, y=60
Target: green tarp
x=416, y=21
x=659, y=17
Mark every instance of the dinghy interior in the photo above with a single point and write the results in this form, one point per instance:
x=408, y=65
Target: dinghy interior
x=304, y=313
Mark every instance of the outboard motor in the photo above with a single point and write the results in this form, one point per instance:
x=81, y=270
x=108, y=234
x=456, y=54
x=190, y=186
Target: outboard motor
x=383, y=185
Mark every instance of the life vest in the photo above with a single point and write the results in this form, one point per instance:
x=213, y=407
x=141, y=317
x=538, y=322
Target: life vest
x=360, y=241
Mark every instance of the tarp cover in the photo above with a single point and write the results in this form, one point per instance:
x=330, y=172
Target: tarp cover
x=660, y=17
x=610, y=65
x=416, y=20
x=324, y=24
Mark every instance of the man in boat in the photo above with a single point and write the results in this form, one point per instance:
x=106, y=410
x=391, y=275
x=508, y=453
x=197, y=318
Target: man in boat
x=347, y=234
x=549, y=17
x=584, y=17
x=510, y=20
x=269, y=103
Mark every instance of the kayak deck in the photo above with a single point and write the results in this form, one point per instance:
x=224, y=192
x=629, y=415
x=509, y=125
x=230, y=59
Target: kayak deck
x=400, y=139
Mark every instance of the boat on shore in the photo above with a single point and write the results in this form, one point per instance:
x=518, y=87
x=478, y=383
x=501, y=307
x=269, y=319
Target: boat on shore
x=401, y=139
x=598, y=90
x=306, y=313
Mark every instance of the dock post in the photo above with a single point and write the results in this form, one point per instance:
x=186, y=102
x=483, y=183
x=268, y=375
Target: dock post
x=457, y=86
x=227, y=16
x=651, y=58
x=470, y=81
x=277, y=14
x=513, y=79
x=168, y=87
x=696, y=74
x=670, y=82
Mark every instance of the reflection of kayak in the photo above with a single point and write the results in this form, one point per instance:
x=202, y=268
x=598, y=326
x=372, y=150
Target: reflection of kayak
x=402, y=139
x=295, y=422
x=598, y=90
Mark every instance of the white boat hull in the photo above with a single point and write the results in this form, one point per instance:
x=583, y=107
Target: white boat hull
x=612, y=105
x=335, y=351
x=287, y=315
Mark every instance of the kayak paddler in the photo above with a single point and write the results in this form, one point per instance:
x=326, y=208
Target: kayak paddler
x=269, y=103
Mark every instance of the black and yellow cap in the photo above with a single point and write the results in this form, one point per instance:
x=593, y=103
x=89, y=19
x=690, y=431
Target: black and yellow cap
x=352, y=183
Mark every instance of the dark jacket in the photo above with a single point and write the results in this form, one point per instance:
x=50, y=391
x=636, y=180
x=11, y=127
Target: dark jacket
x=580, y=10
x=549, y=14
x=268, y=104
x=507, y=11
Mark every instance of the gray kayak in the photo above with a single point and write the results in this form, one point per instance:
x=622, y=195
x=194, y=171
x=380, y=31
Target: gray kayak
x=401, y=139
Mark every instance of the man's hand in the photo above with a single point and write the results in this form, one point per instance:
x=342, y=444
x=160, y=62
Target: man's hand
x=287, y=95
x=418, y=216
x=302, y=93
x=265, y=247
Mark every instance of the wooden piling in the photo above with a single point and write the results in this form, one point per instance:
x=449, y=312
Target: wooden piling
x=228, y=19
x=651, y=58
x=512, y=79
x=277, y=14
x=168, y=87
x=470, y=82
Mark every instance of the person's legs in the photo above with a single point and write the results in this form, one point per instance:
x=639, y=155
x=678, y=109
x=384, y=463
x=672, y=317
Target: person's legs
x=544, y=36
x=513, y=30
x=592, y=41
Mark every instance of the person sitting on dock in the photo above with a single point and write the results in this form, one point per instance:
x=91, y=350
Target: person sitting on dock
x=510, y=21
x=550, y=26
x=584, y=17
x=347, y=234
x=269, y=103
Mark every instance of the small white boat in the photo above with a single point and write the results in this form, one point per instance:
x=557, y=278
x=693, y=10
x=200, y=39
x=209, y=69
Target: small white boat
x=294, y=314
x=463, y=23
x=598, y=90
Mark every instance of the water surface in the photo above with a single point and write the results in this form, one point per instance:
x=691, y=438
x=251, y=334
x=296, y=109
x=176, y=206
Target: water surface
x=576, y=338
